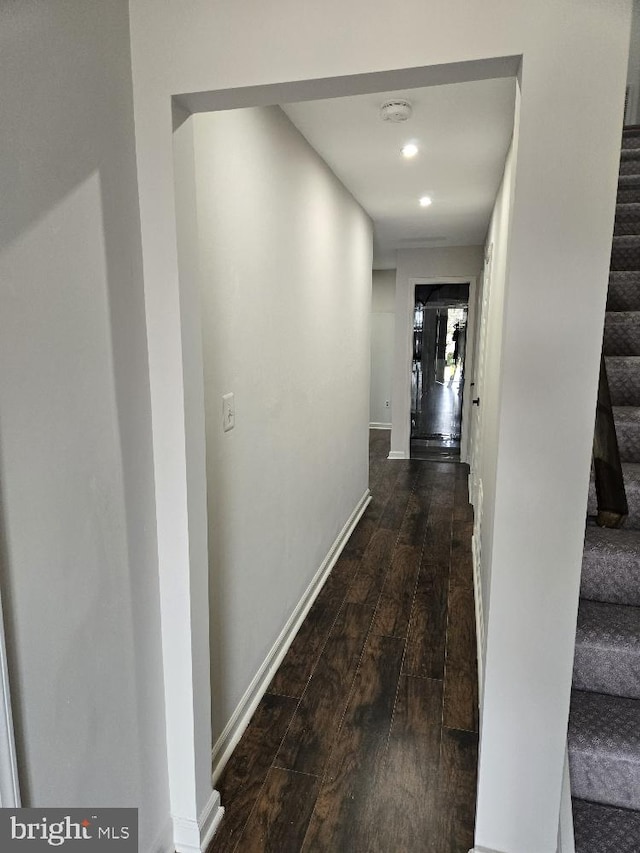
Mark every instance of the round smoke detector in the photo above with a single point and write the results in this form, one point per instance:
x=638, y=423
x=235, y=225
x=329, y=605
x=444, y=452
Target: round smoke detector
x=397, y=110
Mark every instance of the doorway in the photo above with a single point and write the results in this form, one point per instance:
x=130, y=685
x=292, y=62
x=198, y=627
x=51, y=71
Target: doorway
x=440, y=321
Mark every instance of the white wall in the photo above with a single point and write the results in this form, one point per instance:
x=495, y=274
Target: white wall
x=453, y=262
x=383, y=305
x=285, y=275
x=560, y=241
x=79, y=553
x=487, y=385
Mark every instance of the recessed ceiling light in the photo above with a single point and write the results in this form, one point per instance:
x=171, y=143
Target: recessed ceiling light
x=409, y=150
x=425, y=201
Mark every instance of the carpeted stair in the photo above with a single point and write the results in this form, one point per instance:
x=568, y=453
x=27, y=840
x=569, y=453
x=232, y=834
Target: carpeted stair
x=604, y=723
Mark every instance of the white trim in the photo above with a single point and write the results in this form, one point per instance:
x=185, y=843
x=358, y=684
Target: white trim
x=397, y=454
x=479, y=608
x=566, y=840
x=379, y=426
x=9, y=784
x=476, y=552
x=193, y=836
x=239, y=721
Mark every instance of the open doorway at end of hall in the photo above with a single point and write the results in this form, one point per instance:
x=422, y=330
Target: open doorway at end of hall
x=437, y=372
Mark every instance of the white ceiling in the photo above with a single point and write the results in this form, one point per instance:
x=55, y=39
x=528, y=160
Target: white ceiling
x=463, y=131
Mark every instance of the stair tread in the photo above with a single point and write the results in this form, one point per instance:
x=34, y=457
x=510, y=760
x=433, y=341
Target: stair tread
x=626, y=240
x=611, y=566
x=604, y=748
x=629, y=315
x=627, y=414
x=627, y=423
x=601, y=624
x=627, y=181
x=624, y=361
x=605, y=829
x=607, y=652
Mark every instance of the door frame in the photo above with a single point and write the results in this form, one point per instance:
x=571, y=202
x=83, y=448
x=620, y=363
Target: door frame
x=465, y=425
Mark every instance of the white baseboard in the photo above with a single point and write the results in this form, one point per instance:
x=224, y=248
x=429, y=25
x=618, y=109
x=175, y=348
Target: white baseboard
x=566, y=840
x=476, y=498
x=479, y=609
x=193, y=836
x=397, y=454
x=379, y=426
x=239, y=721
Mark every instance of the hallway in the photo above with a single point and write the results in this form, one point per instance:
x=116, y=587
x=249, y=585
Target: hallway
x=367, y=737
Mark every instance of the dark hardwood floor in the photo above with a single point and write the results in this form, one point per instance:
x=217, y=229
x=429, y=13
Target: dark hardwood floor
x=366, y=741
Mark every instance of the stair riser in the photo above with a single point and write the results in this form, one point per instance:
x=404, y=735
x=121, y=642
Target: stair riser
x=622, y=588
x=622, y=334
x=601, y=779
x=606, y=671
x=630, y=164
x=624, y=292
x=630, y=141
x=628, y=195
x=627, y=223
x=624, y=381
x=605, y=830
x=625, y=256
x=628, y=436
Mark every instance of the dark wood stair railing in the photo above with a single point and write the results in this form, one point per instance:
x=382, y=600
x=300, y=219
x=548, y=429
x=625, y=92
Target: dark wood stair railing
x=612, y=499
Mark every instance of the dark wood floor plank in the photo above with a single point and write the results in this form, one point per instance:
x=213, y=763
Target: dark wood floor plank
x=461, y=573
x=414, y=524
x=297, y=667
x=460, y=685
x=396, y=508
x=396, y=599
x=460, y=709
x=242, y=778
x=457, y=791
x=437, y=542
x=426, y=638
x=359, y=539
x=279, y=820
x=373, y=569
x=461, y=629
x=418, y=708
x=341, y=577
x=405, y=811
x=307, y=744
x=343, y=816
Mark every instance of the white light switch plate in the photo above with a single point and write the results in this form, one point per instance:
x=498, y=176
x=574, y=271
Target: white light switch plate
x=228, y=412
